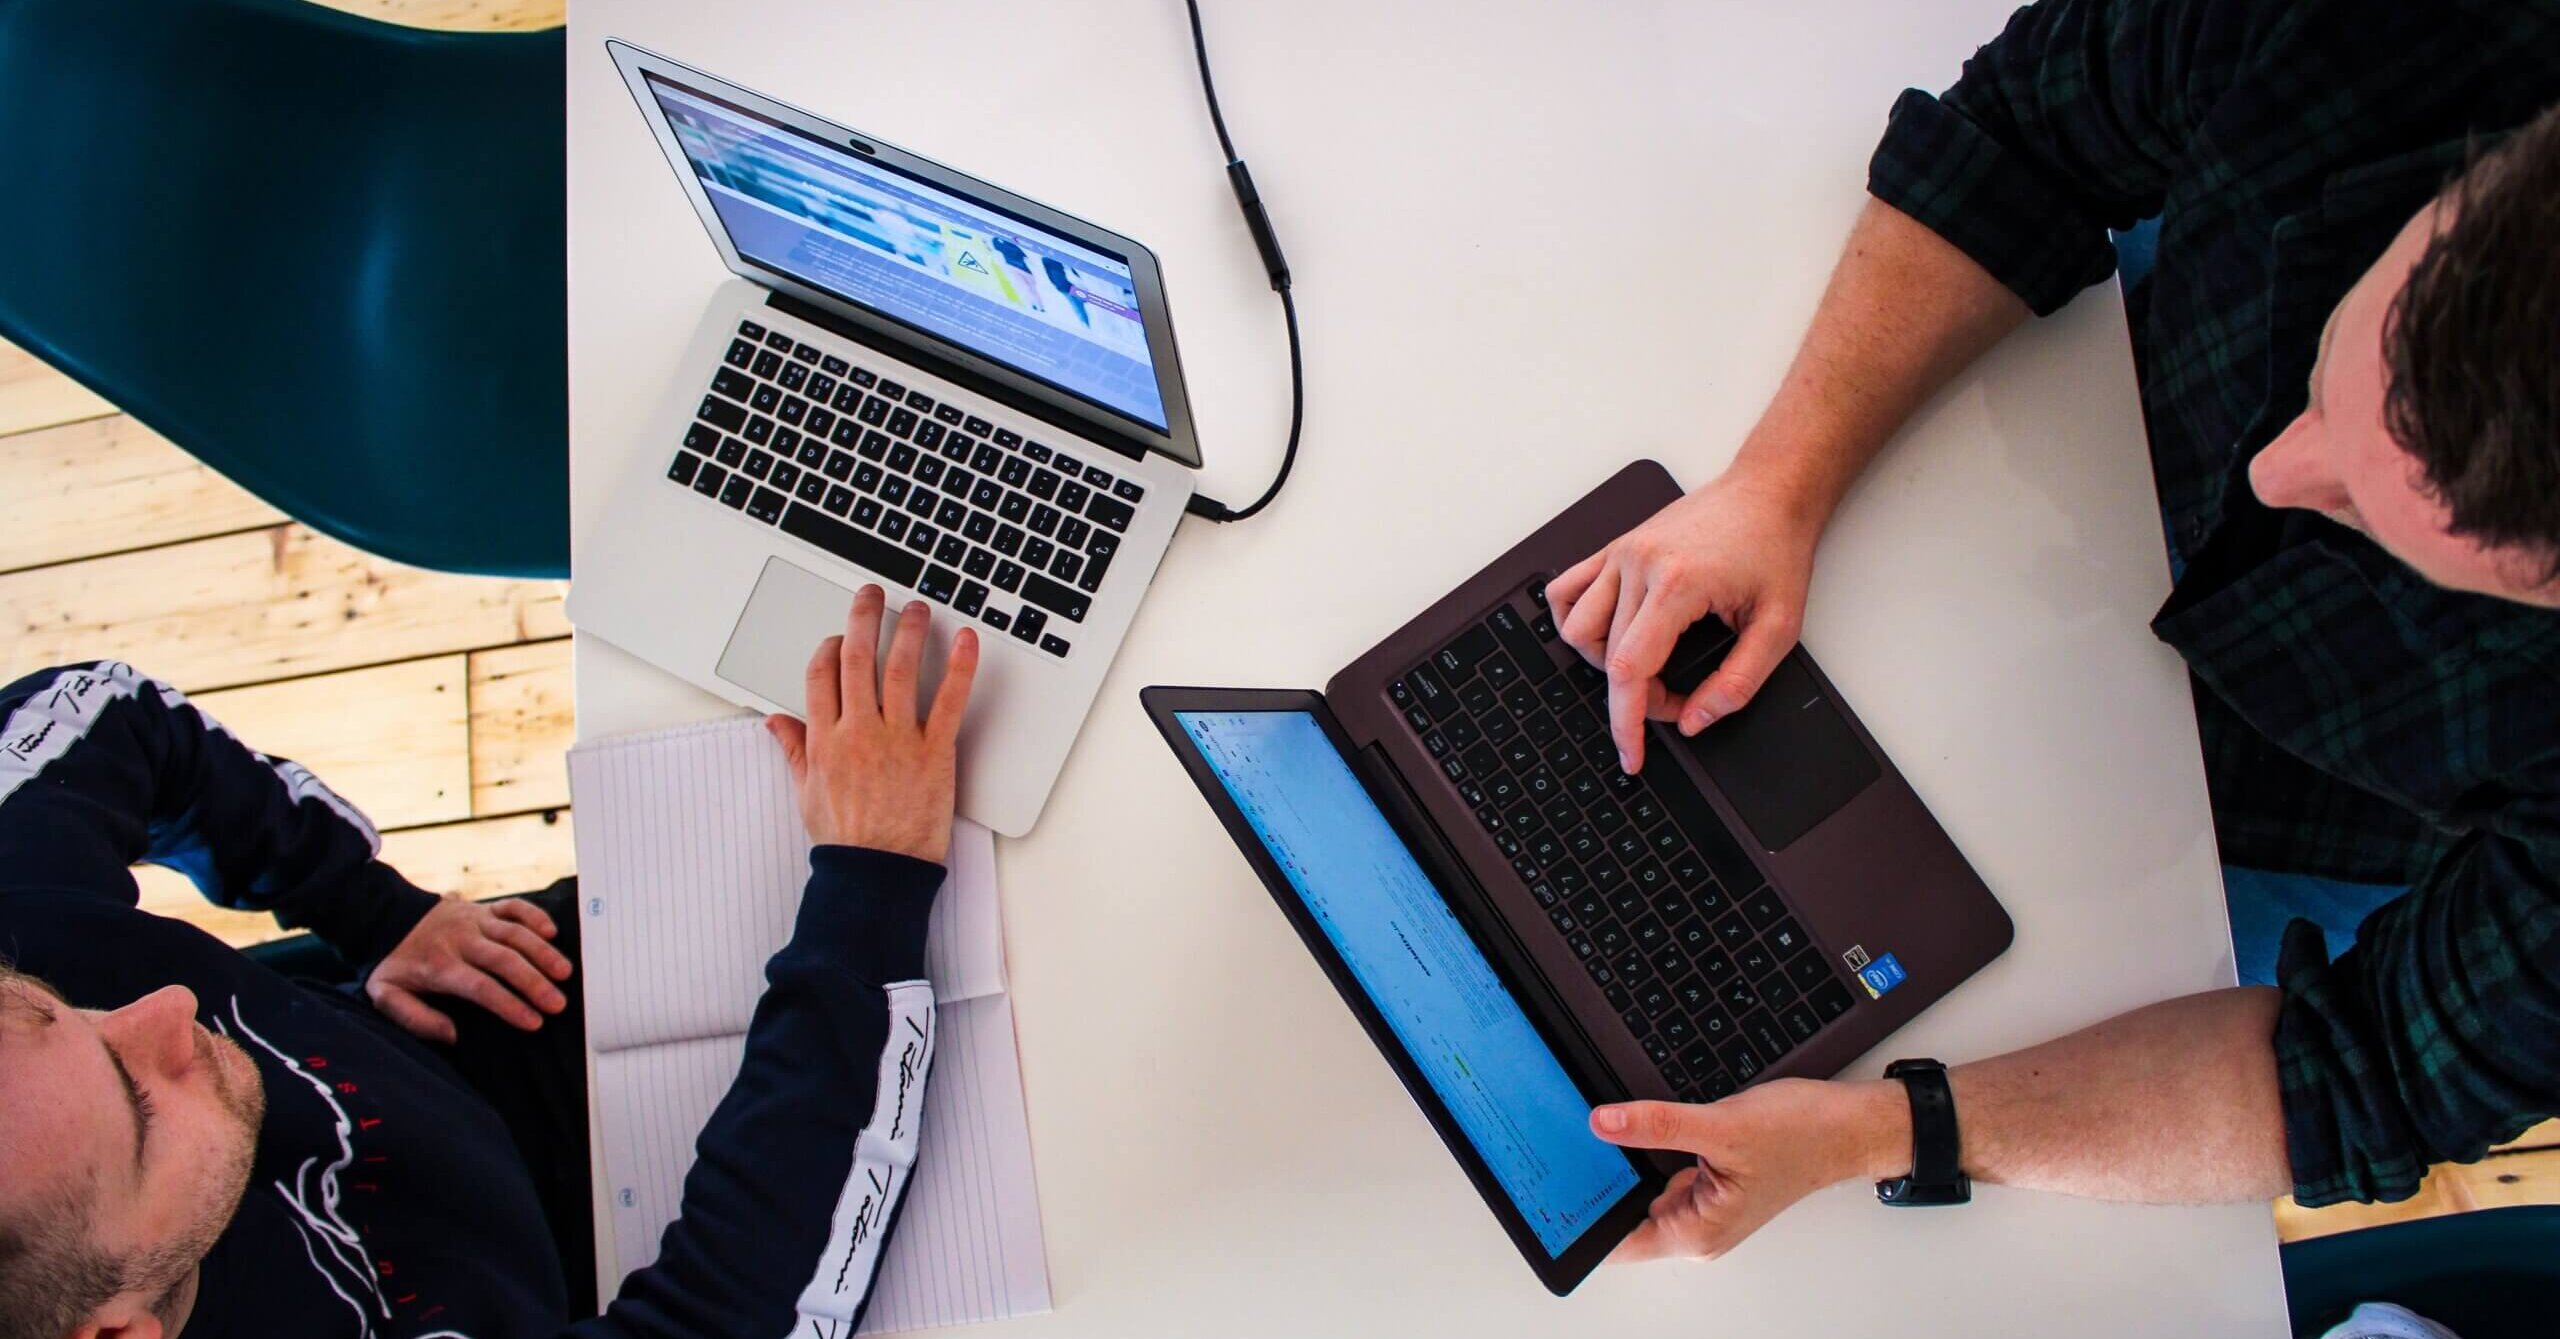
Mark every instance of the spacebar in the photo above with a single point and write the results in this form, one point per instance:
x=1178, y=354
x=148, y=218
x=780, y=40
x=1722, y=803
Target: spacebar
x=1697, y=820
x=855, y=547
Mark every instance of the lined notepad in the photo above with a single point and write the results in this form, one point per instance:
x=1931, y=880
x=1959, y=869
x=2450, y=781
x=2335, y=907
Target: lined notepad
x=691, y=861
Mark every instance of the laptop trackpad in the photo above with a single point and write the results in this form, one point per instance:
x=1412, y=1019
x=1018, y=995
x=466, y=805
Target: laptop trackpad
x=1788, y=760
x=790, y=612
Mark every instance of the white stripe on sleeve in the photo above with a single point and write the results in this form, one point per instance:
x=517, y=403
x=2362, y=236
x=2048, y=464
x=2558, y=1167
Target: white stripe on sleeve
x=884, y=1158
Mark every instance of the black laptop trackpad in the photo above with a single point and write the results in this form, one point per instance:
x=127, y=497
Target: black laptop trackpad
x=1788, y=760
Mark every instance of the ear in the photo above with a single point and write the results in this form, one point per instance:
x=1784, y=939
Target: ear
x=125, y=1316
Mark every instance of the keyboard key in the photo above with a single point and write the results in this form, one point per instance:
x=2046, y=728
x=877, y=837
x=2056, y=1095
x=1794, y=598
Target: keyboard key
x=1008, y=577
x=805, y=353
x=902, y=458
x=979, y=527
x=950, y=515
x=758, y=465
x=996, y=619
x=1097, y=560
x=1127, y=490
x=785, y=475
x=1459, y=658
x=794, y=377
x=847, y=399
x=834, y=365
x=929, y=434
x=1830, y=1000
x=839, y=466
x=839, y=499
x=735, y=493
x=921, y=538
x=768, y=365
x=1008, y=541
x=1054, y=644
x=892, y=390
x=683, y=467
x=893, y=490
x=939, y=583
x=1110, y=513
x=1043, y=485
x=1764, y=909
x=1807, y=971
x=874, y=411
x=1044, y=520
x=1800, y=1021
x=928, y=471
x=766, y=505
x=740, y=354
x=1097, y=476
x=979, y=426
x=1067, y=565
x=1738, y=997
x=1061, y=600
x=893, y=525
x=1028, y=623
x=1009, y=439
x=759, y=430
x=1766, y=1037
x=701, y=437
x=751, y=330
x=732, y=384
x=1526, y=652
x=866, y=512
x=951, y=550
x=1756, y=962
x=721, y=414
x=862, y=376
x=1015, y=472
x=1015, y=508
x=765, y=399
x=948, y=413
x=1739, y=1058
x=972, y=597
x=813, y=488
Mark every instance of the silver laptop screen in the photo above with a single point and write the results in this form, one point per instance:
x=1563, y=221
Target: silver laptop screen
x=1047, y=306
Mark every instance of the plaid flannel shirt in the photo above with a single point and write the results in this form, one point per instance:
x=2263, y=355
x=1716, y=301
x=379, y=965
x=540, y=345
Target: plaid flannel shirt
x=2358, y=722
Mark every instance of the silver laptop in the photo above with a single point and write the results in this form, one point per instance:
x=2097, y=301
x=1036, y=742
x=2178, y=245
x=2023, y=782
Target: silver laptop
x=919, y=380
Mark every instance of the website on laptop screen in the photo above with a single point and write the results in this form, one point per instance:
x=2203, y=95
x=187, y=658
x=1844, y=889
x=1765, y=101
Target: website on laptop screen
x=1009, y=291
x=1492, y=1070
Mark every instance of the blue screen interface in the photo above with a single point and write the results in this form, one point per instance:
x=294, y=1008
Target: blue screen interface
x=1507, y=1091
x=1012, y=292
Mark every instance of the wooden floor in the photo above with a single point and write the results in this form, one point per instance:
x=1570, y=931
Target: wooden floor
x=439, y=704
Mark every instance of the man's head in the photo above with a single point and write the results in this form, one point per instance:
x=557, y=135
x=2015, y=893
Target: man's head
x=2434, y=422
x=125, y=1144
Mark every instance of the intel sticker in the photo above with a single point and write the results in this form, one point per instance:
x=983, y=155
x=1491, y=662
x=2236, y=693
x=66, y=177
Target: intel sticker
x=1881, y=975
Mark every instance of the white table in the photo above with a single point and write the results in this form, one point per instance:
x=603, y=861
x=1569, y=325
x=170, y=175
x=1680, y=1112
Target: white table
x=1532, y=241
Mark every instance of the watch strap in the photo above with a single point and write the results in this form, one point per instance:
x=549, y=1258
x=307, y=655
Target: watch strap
x=1937, y=1153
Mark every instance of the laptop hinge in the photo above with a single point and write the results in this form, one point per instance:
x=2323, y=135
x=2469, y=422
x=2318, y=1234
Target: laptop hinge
x=1386, y=785
x=951, y=371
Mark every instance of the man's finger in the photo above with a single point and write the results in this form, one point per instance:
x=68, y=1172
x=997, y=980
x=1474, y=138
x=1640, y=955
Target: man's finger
x=861, y=661
x=547, y=960
x=821, y=684
x=906, y=665
x=794, y=739
x=1758, y=646
x=1627, y=691
x=1664, y=1125
x=1586, y=627
x=1565, y=590
x=470, y=982
x=526, y=914
x=1651, y=1240
x=951, y=700
x=413, y=1015
x=511, y=970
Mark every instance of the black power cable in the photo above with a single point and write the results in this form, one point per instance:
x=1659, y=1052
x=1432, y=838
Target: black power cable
x=1268, y=243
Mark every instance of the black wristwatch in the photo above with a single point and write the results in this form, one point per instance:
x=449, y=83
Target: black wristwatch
x=1937, y=1155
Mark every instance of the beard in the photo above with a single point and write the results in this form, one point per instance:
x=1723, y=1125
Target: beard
x=170, y=1269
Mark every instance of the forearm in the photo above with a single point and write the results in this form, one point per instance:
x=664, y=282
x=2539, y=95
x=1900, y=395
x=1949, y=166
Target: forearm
x=1903, y=314
x=2172, y=1103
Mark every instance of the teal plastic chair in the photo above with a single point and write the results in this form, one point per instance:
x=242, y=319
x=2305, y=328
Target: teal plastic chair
x=2487, y=1274
x=323, y=254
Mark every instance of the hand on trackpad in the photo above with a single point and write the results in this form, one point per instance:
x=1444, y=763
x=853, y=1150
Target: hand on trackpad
x=789, y=613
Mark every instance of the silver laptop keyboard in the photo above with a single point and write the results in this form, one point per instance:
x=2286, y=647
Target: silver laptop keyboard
x=927, y=494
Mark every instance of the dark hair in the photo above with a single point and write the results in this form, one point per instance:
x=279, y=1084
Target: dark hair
x=51, y=1275
x=2472, y=345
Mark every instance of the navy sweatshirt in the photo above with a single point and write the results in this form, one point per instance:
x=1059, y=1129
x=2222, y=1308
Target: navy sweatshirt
x=387, y=1199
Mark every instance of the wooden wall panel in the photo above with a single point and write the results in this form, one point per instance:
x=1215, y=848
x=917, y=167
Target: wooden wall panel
x=521, y=728
x=107, y=485
x=395, y=739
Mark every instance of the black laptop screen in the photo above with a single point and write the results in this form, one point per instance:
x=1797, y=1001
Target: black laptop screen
x=1007, y=290
x=1461, y=1027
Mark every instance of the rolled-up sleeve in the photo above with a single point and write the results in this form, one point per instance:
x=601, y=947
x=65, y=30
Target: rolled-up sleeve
x=2435, y=1037
x=2069, y=123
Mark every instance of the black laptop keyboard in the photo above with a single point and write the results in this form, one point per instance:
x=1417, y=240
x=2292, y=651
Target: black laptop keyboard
x=929, y=495
x=1705, y=962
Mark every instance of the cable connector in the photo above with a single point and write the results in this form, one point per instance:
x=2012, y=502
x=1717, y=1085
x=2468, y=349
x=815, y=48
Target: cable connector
x=1255, y=219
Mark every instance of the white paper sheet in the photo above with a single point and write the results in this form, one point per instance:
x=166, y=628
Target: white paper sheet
x=691, y=861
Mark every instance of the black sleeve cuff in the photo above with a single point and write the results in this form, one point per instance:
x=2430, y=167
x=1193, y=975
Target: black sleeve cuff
x=366, y=917
x=1950, y=175
x=870, y=907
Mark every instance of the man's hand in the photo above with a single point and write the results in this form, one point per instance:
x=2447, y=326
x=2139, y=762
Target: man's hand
x=1739, y=548
x=1758, y=1151
x=867, y=771
x=497, y=955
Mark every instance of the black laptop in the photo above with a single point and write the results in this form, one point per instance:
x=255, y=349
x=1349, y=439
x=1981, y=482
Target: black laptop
x=1526, y=931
